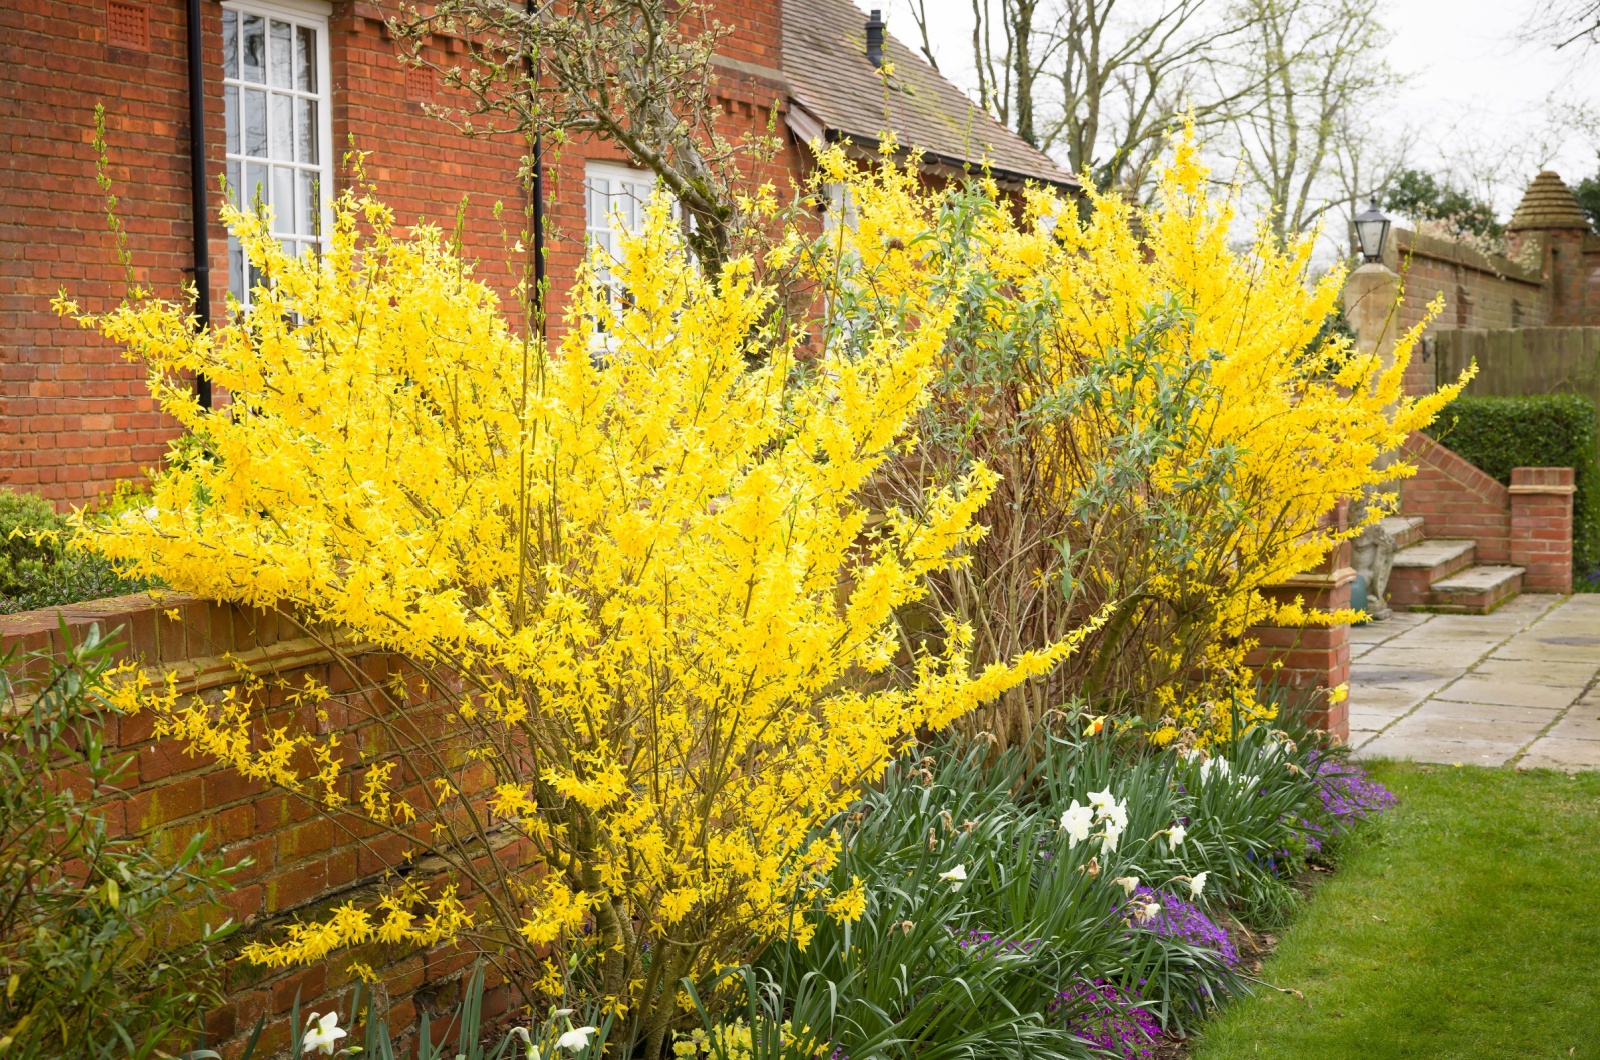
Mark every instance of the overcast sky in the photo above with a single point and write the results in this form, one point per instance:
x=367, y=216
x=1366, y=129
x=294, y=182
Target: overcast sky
x=1476, y=99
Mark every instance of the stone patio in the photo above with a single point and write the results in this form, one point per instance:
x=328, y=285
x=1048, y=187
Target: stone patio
x=1517, y=687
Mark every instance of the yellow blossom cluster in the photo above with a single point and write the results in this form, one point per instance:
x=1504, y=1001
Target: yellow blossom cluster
x=636, y=571
x=1172, y=432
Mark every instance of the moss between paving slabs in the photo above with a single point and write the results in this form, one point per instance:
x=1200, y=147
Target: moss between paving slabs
x=1465, y=924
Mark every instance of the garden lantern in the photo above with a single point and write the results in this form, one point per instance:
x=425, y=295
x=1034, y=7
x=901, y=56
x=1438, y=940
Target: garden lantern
x=1372, y=231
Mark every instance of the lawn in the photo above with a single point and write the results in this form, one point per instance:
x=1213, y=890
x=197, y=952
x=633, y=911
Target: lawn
x=1466, y=923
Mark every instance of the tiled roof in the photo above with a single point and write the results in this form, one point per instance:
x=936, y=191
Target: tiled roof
x=1548, y=203
x=825, y=60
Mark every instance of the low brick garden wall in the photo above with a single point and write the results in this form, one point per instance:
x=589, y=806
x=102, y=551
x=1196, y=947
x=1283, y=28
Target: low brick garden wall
x=301, y=862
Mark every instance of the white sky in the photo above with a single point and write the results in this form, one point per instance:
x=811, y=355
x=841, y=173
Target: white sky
x=1475, y=101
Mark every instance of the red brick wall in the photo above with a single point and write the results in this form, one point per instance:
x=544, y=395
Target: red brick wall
x=1541, y=527
x=1456, y=499
x=77, y=416
x=1308, y=667
x=302, y=862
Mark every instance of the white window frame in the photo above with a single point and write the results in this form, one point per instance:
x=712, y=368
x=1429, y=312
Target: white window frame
x=314, y=15
x=622, y=184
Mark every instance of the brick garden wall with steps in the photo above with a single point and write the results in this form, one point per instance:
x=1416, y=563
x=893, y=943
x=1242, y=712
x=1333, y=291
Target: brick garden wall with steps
x=1484, y=542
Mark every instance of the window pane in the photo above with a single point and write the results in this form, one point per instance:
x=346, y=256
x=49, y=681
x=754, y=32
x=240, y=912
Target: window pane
x=305, y=59
x=256, y=185
x=230, y=44
x=305, y=127
x=306, y=202
x=230, y=107
x=282, y=128
x=236, y=268
x=234, y=191
x=597, y=203
x=282, y=58
x=255, y=123
x=255, y=48
x=283, y=199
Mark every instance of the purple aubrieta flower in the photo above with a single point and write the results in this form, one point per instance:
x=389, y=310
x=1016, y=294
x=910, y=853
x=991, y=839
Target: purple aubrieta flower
x=1183, y=921
x=1107, y=1016
x=1348, y=794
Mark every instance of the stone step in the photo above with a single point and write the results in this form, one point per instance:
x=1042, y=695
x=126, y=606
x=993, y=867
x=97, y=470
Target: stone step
x=1417, y=567
x=1474, y=591
x=1406, y=530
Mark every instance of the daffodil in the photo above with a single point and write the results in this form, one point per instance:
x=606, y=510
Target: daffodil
x=322, y=1034
x=1127, y=883
x=956, y=876
x=1076, y=822
x=1198, y=883
x=575, y=1040
x=1176, y=834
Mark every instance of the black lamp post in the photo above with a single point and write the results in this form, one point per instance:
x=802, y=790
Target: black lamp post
x=1372, y=231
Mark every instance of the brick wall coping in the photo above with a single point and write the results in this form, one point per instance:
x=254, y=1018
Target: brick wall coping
x=1422, y=246
x=1543, y=480
x=1318, y=579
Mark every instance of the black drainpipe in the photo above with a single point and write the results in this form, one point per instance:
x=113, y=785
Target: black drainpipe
x=538, y=197
x=197, y=188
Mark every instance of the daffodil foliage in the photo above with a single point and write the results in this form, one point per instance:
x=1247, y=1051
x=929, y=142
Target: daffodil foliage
x=637, y=577
x=1171, y=433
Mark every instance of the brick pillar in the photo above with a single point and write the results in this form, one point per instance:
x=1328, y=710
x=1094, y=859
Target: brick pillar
x=1541, y=527
x=1304, y=666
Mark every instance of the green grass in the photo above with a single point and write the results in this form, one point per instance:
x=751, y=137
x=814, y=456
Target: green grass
x=1465, y=924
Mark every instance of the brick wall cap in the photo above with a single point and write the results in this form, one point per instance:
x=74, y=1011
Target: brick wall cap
x=1537, y=488
x=1333, y=580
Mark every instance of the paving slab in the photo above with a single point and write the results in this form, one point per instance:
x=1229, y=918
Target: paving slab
x=1474, y=689
x=1435, y=749
x=1520, y=686
x=1552, y=752
x=1576, y=726
x=1490, y=712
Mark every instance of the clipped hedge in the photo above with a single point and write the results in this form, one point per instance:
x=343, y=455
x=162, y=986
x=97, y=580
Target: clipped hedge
x=1547, y=430
x=38, y=569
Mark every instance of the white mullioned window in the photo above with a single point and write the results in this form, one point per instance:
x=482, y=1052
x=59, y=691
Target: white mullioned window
x=275, y=91
x=615, y=197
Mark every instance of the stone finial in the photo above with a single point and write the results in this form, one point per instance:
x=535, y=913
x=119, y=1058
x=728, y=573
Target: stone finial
x=1547, y=204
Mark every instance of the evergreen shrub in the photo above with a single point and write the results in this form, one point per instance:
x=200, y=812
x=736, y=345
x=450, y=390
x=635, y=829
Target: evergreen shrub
x=1497, y=434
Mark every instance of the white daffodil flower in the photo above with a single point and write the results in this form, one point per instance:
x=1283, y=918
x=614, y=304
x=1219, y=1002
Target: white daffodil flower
x=1100, y=800
x=1117, y=814
x=556, y=1014
x=1076, y=822
x=575, y=1040
x=1127, y=883
x=1110, y=836
x=1198, y=883
x=529, y=1051
x=957, y=876
x=1176, y=834
x=1147, y=912
x=322, y=1034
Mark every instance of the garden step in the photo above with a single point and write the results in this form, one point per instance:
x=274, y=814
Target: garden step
x=1475, y=591
x=1417, y=567
x=1405, y=529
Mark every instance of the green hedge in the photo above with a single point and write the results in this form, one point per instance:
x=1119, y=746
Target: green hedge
x=1549, y=430
x=37, y=569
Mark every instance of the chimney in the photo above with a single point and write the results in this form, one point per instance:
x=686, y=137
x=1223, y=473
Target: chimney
x=875, y=39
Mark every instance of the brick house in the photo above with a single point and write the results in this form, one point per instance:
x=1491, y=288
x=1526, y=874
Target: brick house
x=284, y=86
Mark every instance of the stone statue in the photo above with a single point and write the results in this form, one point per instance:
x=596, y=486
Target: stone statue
x=1372, y=556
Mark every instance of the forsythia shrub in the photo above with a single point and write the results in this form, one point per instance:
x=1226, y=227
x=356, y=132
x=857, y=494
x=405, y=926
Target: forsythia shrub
x=640, y=583
x=1169, y=431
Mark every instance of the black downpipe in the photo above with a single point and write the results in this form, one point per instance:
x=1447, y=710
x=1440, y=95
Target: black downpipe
x=197, y=188
x=538, y=202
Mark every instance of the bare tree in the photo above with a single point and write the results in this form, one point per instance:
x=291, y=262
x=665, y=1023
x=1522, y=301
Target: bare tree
x=1098, y=83
x=1564, y=22
x=635, y=72
x=1314, y=66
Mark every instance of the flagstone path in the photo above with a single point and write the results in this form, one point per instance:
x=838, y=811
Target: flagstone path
x=1519, y=687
